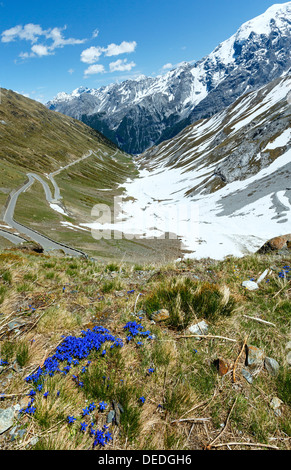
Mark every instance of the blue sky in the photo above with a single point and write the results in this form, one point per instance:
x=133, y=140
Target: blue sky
x=58, y=45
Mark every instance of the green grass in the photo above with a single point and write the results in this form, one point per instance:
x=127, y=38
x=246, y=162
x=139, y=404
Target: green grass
x=186, y=299
x=184, y=383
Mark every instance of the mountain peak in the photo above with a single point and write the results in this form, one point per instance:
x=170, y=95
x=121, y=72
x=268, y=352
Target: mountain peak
x=275, y=17
x=144, y=111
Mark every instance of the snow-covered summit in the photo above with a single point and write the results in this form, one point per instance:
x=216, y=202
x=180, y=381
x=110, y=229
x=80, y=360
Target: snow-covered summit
x=275, y=17
x=144, y=111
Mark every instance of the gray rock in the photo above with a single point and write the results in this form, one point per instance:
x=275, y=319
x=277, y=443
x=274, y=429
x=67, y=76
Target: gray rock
x=272, y=366
x=15, y=323
x=33, y=441
x=255, y=356
x=110, y=417
x=247, y=375
x=117, y=412
x=160, y=315
x=200, y=328
x=6, y=419
x=275, y=404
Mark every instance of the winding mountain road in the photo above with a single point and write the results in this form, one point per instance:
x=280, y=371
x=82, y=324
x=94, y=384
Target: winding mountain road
x=46, y=242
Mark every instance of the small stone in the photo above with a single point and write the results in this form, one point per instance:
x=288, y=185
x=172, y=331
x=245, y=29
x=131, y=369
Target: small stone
x=24, y=401
x=288, y=358
x=160, y=315
x=33, y=441
x=272, y=366
x=275, y=404
x=223, y=367
x=117, y=412
x=6, y=419
x=16, y=367
x=247, y=375
x=255, y=356
x=15, y=323
x=200, y=328
x=110, y=417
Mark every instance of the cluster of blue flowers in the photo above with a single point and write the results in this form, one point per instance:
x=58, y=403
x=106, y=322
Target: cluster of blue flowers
x=74, y=349
x=71, y=351
x=3, y=363
x=136, y=329
x=101, y=437
x=284, y=273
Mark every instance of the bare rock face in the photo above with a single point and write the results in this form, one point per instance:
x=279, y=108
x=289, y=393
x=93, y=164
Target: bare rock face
x=276, y=243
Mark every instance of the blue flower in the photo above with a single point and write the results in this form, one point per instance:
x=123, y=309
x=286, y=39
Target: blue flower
x=30, y=410
x=71, y=419
x=142, y=399
x=102, y=405
x=83, y=426
x=101, y=438
x=86, y=411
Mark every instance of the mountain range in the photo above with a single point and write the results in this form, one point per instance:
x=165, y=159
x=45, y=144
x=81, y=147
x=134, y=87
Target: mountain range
x=223, y=183
x=139, y=113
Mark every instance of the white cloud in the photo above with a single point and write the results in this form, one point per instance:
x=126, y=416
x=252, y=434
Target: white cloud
x=58, y=39
x=121, y=65
x=168, y=66
x=11, y=34
x=70, y=71
x=94, y=69
x=95, y=33
x=123, y=48
x=40, y=50
x=32, y=32
x=91, y=55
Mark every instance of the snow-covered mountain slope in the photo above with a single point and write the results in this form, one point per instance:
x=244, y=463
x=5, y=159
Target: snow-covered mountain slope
x=223, y=185
x=137, y=114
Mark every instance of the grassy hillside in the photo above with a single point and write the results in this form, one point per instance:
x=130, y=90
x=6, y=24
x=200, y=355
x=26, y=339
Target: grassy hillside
x=36, y=139
x=169, y=389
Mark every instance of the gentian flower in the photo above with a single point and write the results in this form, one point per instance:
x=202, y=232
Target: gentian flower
x=71, y=419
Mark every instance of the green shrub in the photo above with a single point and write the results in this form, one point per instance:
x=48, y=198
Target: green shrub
x=186, y=299
x=22, y=354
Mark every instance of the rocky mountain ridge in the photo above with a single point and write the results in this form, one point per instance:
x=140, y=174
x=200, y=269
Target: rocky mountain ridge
x=137, y=114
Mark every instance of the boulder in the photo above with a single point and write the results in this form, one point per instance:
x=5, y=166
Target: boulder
x=30, y=247
x=160, y=315
x=277, y=243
